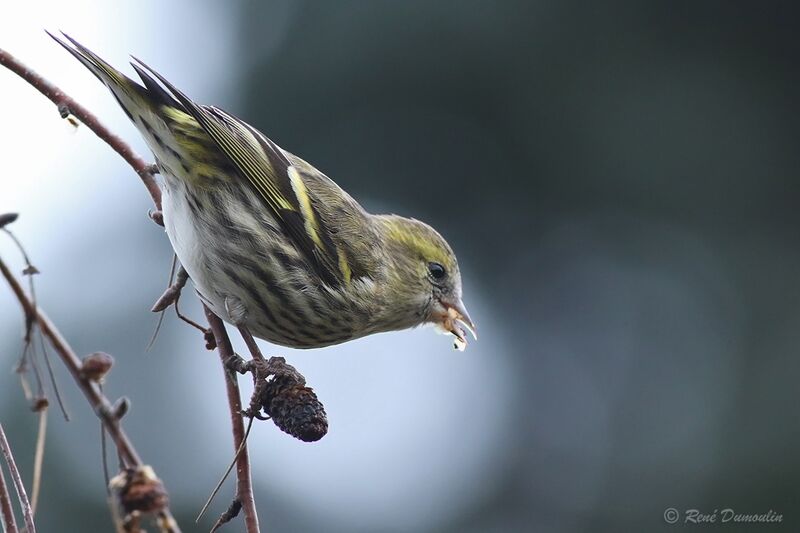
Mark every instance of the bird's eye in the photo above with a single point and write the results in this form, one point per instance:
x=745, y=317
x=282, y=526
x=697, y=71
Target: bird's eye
x=437, y=271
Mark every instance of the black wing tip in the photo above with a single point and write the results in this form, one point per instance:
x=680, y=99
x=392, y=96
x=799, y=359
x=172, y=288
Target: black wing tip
x=79, y=52
x=156, y=91
x=59, y=40
x=143, y=68
x=54, y=36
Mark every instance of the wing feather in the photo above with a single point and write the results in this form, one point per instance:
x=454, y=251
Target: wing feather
x=270, y=173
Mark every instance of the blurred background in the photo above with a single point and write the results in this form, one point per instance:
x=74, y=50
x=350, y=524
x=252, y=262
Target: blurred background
x=619, y=182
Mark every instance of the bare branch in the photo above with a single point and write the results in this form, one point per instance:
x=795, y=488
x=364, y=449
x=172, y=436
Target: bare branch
x=226, y=517
x=91, y=390
x=154, y=336
x=244, y=485
x=6, y=511
x=17, y=479
x=38, y=460
x=67, y=106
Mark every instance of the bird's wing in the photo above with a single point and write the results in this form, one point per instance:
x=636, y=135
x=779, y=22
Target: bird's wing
x=280, y=184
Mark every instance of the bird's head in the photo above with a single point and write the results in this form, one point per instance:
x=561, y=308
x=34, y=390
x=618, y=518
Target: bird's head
x=424, y=282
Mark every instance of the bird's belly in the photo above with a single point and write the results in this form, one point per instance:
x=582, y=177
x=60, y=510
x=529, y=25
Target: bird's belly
x=190, y=246
x=246, y=278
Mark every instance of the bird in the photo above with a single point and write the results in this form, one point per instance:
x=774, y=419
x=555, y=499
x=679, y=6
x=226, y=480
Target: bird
x=272, y=244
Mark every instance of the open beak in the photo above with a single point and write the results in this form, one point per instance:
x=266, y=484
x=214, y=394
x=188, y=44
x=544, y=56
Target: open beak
x=454, y=318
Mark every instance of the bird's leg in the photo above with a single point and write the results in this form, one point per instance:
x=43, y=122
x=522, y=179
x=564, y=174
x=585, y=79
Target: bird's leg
x=260, y=372
x=255, y=352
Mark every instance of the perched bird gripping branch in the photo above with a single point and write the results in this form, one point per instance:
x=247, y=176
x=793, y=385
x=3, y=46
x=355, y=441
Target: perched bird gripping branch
x=269, y=241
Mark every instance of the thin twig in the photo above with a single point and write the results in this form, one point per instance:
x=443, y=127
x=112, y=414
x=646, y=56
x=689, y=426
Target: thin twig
x=181, y=277
x=101, y=405
x=244, y=485
x=172, y=296
x=119, y=526
x=30, y=271
x=227, y=472
x=161, y=313
x=30, y=347
x=38, y=459
x=29, y=357
x=104, y=456
x=67, y=106
x=6, y=511
x=5, y=448
x=230, y=513
x=104, y=451
x=49, y=366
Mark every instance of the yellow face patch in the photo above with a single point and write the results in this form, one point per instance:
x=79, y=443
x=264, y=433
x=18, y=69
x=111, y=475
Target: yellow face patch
x=423, y=240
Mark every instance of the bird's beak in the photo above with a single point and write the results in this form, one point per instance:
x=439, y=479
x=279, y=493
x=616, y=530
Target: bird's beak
x=451, y=315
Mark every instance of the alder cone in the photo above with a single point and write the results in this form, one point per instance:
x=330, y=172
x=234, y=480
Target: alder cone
x=294, y=408
x=139, y=490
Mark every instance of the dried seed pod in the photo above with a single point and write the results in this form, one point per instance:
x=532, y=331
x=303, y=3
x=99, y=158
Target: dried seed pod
x=294, y=408
x=96, y=365
x=40, y=404
x=7, y=218
x=138, y=490
x=30, y=270
x=211, y=341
